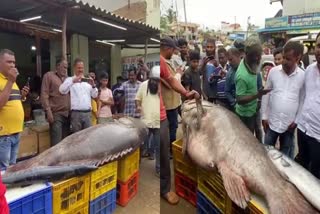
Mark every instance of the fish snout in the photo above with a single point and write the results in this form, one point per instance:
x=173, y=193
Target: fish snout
x=273, y=153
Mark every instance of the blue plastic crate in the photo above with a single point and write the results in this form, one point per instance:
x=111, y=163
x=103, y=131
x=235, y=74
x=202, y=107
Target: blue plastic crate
x=204, y=206
x=36, y=203
x=104, y=204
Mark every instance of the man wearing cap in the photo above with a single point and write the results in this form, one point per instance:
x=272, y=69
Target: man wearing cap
x=171, y=99
x=167, y=46
x=146, y=99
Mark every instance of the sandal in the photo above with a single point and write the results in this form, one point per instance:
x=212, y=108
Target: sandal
x=172, y=198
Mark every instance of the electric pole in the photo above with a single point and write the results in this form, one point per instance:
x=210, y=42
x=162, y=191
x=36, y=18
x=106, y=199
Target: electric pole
x=185, y=11
x=177, y=19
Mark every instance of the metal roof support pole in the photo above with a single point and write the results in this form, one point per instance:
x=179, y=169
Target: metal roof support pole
x=64, y=35
x=38, y=55
x=146, y=50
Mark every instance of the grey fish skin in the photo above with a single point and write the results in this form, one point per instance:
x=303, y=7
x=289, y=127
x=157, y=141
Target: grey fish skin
x=305, y=182
x=82, y=151
x=222, y=141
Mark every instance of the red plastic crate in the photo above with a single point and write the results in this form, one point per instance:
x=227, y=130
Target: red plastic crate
x=186, y=188
x=127, y=190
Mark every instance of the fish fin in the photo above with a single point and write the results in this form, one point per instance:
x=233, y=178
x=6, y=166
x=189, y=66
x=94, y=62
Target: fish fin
x=234, y=185
x=46, y=172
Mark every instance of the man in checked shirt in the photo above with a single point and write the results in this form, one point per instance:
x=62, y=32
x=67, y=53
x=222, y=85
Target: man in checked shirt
x=130, y=89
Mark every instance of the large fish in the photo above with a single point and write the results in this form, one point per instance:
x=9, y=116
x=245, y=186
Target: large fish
x=307, y=184
x=218, y=139
x=81, y=152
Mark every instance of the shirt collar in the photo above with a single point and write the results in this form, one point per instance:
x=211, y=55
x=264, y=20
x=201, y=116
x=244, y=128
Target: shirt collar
x=2, y=76
x=293, y=73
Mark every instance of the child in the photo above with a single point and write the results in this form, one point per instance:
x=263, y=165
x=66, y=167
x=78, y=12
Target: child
x=278, y=57
x=106, y=100
x=191, y=78
x=95, y=105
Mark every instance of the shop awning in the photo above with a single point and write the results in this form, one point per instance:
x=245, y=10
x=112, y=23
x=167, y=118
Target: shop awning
x=289, y=29
x=80, y=18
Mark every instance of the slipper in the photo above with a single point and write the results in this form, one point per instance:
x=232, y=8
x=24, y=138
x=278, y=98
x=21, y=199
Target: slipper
x=172, y=198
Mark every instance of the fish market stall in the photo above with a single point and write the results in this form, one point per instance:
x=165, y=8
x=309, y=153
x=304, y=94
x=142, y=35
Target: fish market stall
x=77, y=185
x=220, y=167
x=205, y=190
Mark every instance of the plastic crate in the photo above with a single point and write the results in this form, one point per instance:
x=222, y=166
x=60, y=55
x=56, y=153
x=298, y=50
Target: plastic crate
x=104, y=204
x=70, y=194
x=211, y=185
x=83, y=209
x=39, y=202
x=182, y=165
x=128, y=166
x=126, y=191
x=253, y=208
x=103, y=179
x=186, y=188
x=204, y=206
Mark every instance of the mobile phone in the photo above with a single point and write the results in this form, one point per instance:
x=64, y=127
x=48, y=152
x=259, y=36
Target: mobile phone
x=85, y=79
x=28, y=82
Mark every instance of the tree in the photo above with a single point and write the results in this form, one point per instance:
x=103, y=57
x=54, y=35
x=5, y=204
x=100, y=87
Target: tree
x=169, y=17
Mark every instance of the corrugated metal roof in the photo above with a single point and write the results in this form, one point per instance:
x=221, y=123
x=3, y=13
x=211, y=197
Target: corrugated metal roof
x=100, y=11
x=80, y=16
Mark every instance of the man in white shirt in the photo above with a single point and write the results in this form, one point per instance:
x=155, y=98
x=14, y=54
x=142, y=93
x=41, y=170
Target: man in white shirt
x=280, y=107
x=147, y=99
x=81, y=90
x=309, y=118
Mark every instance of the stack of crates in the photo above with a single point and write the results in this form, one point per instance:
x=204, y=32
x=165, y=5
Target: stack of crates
x=185, y=174
x=103, y=183
x=71, y=196
x=38, y=201
x=212, y=197
x=128, y=178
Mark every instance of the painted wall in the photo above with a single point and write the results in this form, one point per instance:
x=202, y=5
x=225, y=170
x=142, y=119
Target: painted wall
x=110, y=5
x=79, y=47
x=55, y=53
x=295, y=7
x=153, y=13
x=116, y=68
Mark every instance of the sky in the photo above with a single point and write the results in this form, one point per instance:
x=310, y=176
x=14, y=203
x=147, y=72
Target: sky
x=210, y=13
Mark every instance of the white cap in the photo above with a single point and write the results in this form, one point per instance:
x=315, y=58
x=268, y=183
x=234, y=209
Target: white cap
x=155, y=72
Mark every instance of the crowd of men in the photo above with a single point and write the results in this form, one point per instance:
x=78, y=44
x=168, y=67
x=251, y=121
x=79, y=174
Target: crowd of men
x=75, y=103
x=288, y=102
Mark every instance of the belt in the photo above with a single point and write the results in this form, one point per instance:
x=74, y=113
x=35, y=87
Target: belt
x=82, y=111
x=9, y=135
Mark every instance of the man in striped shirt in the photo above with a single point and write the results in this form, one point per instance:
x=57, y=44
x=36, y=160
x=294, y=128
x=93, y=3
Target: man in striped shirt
x=11, y=110
x=130, y=89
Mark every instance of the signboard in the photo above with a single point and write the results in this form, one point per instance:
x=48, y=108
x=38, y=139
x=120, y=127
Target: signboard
x=278, y=22
x=310, y=19
x=128, y=62
x=304, y=20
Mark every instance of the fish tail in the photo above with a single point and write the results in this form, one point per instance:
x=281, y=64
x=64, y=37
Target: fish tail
x=288, y=200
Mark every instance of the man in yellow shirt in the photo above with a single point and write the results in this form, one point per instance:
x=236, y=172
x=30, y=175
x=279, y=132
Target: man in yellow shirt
x=11, y=110
x=147, y=102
